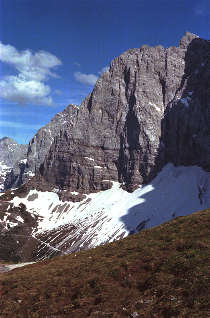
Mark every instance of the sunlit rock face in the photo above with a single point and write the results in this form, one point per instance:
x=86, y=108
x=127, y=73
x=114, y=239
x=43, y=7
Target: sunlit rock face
x=151, y=107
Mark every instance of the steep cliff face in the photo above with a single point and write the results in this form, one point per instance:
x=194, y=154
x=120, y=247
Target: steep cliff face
x=34, y=153
x=186, y=124
x=117, y=132
x=151, y=107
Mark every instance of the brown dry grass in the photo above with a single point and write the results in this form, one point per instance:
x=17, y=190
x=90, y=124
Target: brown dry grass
x=162, y=272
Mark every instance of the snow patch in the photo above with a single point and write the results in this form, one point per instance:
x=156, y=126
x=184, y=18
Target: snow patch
x=74, y=192
x=18, y=218
x=30, y=174
x=13, y=266
x=156, y=107
x=23, y=161
x=88, y=158
x=114, y=213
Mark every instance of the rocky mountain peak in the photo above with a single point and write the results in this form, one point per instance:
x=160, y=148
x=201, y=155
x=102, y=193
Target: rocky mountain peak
x=123, y=130
x=7, y=141
x=140, y=115
x=146, y=122
x=187, y=39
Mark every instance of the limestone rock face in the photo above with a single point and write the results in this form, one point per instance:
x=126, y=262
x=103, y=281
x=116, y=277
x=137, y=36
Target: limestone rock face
x=150, y=107
x=117, y=132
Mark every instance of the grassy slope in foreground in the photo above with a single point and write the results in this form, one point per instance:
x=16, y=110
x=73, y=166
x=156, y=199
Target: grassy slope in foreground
x=162, y=272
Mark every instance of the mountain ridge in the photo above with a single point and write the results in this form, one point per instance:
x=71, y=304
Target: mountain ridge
x=131, y=120
x=133, y=155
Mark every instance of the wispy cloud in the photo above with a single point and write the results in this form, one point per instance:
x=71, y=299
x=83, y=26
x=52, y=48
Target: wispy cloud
x=34, y=69
x=89, y=79
x=14, y=124
x=77, y=64
x=202, y=8
x=104, y=69
x=58, y=92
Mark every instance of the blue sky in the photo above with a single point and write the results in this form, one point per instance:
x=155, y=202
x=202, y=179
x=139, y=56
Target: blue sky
x=52, y=51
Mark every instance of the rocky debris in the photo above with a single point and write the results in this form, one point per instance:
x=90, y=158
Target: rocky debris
x=16, y=227
x=12, y=162
x=151, y=107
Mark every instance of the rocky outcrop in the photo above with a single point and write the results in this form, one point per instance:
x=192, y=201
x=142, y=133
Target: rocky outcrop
x=12, y=162
x=151, y=107
x=34, y=153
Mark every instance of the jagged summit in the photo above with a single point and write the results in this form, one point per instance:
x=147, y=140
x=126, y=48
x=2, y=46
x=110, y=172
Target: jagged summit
x=127, y=129
x=132, y=120
x=187, y=39
x=7, y=140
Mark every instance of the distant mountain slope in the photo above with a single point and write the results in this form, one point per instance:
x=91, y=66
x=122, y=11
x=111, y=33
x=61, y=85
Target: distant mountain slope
x=15, y=171
x=12, y=162
x=36, y=225
x=163, y=272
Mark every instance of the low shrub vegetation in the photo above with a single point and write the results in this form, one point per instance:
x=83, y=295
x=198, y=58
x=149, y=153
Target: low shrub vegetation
x=162, y=272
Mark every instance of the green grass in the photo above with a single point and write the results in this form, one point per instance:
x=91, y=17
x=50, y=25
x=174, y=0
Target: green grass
x=162, y=272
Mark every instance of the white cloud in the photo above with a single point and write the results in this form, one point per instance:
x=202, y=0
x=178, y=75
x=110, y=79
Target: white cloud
x=58, y=92
x=17, y=89
x=202, y=9
x=28, y=86
x=77, y=64
x=104, y=69
x=12, y=124
x=87, y=79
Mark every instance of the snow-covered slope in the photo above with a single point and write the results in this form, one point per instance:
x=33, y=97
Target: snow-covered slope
x=64, y=227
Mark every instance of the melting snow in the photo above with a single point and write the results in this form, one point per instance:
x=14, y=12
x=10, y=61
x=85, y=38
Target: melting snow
x=114, y=213
x=89, y=158
x=18, y=218
x=30, y=174
x=156, y=107
x=23, y=161
x=13, y=266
